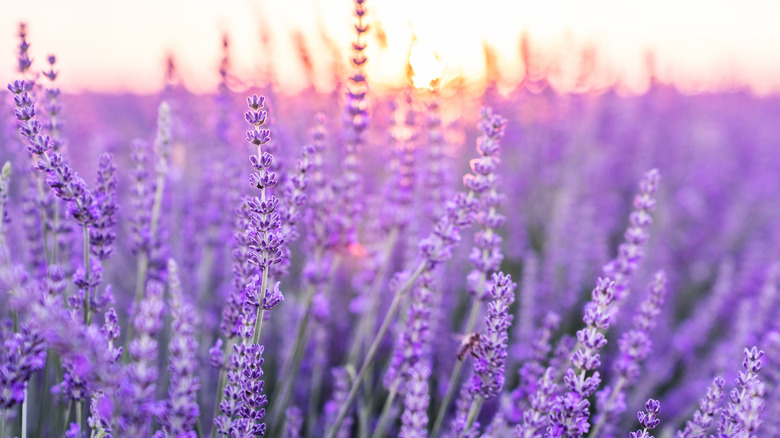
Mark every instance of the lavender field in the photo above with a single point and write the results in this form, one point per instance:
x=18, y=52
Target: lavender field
x=417, y=262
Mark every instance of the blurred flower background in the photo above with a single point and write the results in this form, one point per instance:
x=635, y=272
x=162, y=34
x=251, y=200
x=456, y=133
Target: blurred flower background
x=389, y=218
x=698, y=45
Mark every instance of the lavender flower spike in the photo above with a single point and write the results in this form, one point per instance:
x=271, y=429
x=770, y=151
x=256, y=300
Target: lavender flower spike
x=630, y=252
x=5, y=219
x=265, y=238
x=138, y=389
x=742, y=415
x=536, y=418
x=414, y=420
x=635, y=346
x=569, y=414
x=486, y=254
x=648, y=419
x=182, y=409
x=488, y=378
x=103, y=234
x=23, y=353
x=243, y=407
x=709, y=406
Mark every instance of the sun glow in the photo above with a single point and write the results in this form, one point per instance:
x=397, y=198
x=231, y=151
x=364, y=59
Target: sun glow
x=426, y=66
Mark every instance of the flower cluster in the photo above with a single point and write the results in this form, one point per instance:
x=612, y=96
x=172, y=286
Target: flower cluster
x=116, y=295
x=486, y=255
x=569, y=415
x=489, y=373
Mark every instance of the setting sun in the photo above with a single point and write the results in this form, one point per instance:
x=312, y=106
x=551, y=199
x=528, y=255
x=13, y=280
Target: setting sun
x=426, y=66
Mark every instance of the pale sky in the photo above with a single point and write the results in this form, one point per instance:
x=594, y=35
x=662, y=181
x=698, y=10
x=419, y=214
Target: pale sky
x=113, y=45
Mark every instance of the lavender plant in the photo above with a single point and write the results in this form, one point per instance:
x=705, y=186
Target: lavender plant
x=103, y=334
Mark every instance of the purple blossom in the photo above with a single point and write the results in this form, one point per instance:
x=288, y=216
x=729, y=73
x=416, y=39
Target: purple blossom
x=181, y=409
x=635, y=346
x=709, y=406
x=294, y=423
x=294, y=194
x=139, y=386
x=536, y=418
x=264, y=232
x=413, y=343
x=5, y=178
x=488, y=378
x=356, y=121
x=630, y=252
x=532, y=370
x=569, y=414
x=414, y=420
x=742, y=416
x=23, y=354
x=341, y=382
x=103, y=234
x=648, y=419
x=59, y=176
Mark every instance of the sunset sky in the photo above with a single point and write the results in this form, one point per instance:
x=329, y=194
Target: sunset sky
x=112, y=45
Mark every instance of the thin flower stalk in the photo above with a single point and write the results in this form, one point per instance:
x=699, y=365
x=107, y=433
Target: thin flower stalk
x=635, y=346
x=709, y=407
x=570, y=412
x=162, y=152
x=648, y=419
x=265, y=239
x=434, y=249
x=486, y=254
x=488, y=377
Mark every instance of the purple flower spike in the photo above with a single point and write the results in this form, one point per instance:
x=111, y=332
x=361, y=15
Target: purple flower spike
x=648, y=419
x=413, y=343
x=414, y=420
x=103, y=234
x=486, y=255
x=138, y=388
x=535, y=420
x=635, y=346
x=181, y=408
x=709, y=407
x=23, y=353
x=570, y=412
x=488, y=378
x=64, y=182
x=263, y=235
x=742, y=416
x=5, y=178
x=630, y=252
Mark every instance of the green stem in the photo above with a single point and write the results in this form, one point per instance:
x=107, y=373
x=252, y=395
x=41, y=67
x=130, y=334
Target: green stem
x=54, y=233
x=44, y=221
x=264, y=283
x=299, y=348
x=380, y=426
x=374, y=347
x=221, y=383
x=140, y=277
x=88, y=268
x=476, y=407
x=79, y=415
x=617, y=388
x=67, y=415
x=260, y=310
x=316, y=389
x=2, y=424
x=143, y=258
x=24, y=411
x=475, y=305
x=282, y=394
x=367, y=317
